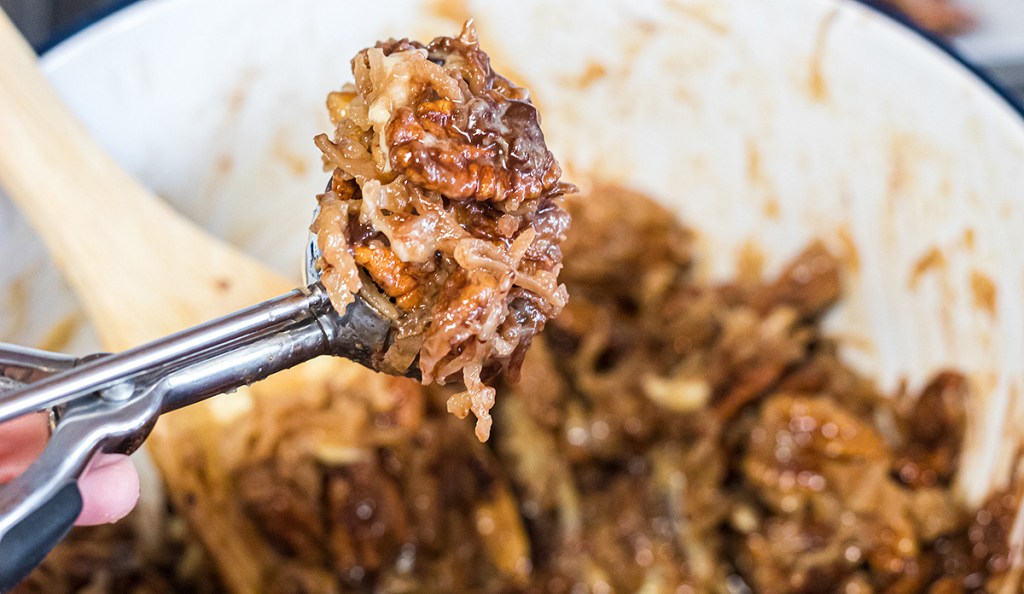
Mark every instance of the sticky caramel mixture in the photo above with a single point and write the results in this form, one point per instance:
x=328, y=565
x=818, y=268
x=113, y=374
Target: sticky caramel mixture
x=667, y=436
x=446, y=199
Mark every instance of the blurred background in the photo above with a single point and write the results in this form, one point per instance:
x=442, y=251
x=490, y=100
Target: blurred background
x=40, y=20
x=989, y=33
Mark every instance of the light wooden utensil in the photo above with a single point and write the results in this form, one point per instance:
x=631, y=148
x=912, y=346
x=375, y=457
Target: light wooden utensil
x=141, y=272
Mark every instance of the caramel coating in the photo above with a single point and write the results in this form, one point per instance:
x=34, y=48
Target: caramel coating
x=446, y=196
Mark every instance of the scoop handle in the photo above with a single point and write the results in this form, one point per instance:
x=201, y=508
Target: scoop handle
x=26, y=545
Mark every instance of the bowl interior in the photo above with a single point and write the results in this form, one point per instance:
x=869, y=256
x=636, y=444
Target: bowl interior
x=763, y=124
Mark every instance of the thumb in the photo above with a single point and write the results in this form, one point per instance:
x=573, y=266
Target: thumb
x=109, y=488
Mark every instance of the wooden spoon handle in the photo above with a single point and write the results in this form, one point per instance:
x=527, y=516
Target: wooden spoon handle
x=140, y=269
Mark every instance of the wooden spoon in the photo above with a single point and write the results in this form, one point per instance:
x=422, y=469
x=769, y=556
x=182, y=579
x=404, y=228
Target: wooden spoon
x=141, y=271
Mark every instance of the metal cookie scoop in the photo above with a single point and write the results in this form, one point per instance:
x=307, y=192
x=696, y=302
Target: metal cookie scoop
x=110, y=403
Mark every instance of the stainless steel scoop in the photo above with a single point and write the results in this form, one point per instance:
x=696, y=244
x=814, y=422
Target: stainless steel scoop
x=110, y=402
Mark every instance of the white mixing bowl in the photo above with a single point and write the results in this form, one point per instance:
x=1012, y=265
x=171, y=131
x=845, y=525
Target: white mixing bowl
x=762, y=124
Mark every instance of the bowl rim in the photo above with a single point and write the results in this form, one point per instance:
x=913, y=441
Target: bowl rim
x=888, y=11
x=894, y=14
